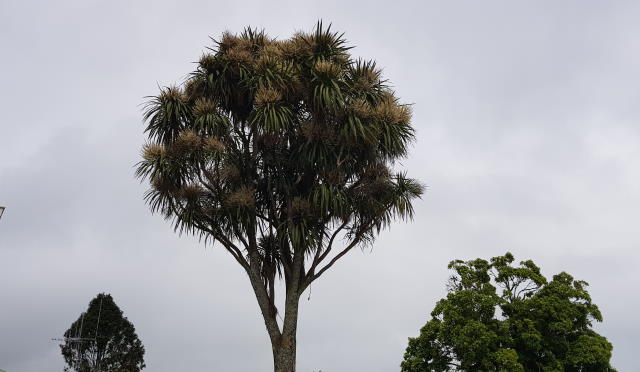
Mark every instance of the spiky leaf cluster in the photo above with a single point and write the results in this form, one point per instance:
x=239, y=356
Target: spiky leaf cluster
x=286, y=141
x=543, y=325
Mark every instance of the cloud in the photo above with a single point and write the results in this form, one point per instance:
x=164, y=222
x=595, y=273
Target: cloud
x=527, y=139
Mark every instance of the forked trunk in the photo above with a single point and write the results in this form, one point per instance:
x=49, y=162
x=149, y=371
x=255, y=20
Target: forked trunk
x=283, y=342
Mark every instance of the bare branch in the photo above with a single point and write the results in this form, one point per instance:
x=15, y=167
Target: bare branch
x=356, y=240
x=321, y=255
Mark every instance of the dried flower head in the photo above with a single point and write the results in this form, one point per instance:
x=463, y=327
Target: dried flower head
x=190, y=193
x=296, y=47
x=266, y=95
x=311, y=130
x=230, y=172
x=366, y=79
x=244, y=197
x=392, y=112
x=266, y=62
x=377, y=187
x=187, y=142
x=273, y=49
x=172, y=94
x=152, y=152
x=376, y=171
x=194, y=88
x=208, y=62
x=327, y=69
x=227, y=41
x=361, y=109
x=299, y=207
x=204, y=106
x=239, y=56
x=163, y=184
x=213, y=144
x=341, y=59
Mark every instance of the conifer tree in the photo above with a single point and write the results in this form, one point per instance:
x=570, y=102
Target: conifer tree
x=102, y=340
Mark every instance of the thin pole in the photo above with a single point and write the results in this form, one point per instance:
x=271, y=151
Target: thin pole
x=78, y=364
x=95, y=337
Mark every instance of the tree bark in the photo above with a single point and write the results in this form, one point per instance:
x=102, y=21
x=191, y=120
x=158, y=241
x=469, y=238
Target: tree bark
x=284, y=344
x=284, y=359
x=284, y=349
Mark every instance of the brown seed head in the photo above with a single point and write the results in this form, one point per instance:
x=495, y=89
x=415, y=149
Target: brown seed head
x=361, y=109
x=394, y=113
x=243, y=197
x=367, y=80
x=172, y=94
x=342, y=59
x=376, y=186
x=204, y=106
x=187, y=142
x=311, y=130
x=190, y=193
x=208, y=62
x=273, y=50
x=299, y=207
x=230, y=172
x=151, y=152
x=266, y=95
x=266, y=62
x=239, y=56
x=194, y=88
x=213, y=144
x=228, y=41
x=376, y=171
x=163, y=185
x=296, y=47
x=328, y=69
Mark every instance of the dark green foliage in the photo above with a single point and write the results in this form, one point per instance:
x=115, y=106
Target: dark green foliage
x=262, y=124
x=282, y=152
x=102, y=339
x=542, y=326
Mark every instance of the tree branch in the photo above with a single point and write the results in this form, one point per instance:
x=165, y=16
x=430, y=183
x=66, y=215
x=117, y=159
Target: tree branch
x=321, y=255
x=357, y=239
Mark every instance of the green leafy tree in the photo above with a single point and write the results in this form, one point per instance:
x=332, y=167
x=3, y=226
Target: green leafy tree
x=103, y=340
x=281, y=152
x=542, y=326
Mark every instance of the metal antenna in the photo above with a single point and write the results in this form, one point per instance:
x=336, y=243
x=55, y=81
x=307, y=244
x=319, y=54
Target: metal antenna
x=78, y=340
x=80, y=343
x=95, y=336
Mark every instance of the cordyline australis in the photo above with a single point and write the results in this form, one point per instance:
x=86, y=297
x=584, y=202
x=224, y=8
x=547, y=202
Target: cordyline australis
x=280, y=151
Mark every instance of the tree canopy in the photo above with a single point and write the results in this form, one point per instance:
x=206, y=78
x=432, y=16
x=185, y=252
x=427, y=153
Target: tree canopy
x=542, y=325
x=102, y=339
x=282, y=151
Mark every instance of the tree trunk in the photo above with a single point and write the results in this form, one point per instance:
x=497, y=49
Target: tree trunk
x=283, y=342
x=284, y=349
x=284, y=356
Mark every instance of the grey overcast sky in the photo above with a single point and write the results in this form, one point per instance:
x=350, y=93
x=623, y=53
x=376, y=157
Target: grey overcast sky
x=528, y=137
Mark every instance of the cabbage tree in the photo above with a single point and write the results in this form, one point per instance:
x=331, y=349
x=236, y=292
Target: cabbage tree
x=282, y=152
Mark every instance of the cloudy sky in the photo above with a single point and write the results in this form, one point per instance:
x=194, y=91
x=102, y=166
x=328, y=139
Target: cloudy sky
x=528, y=137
